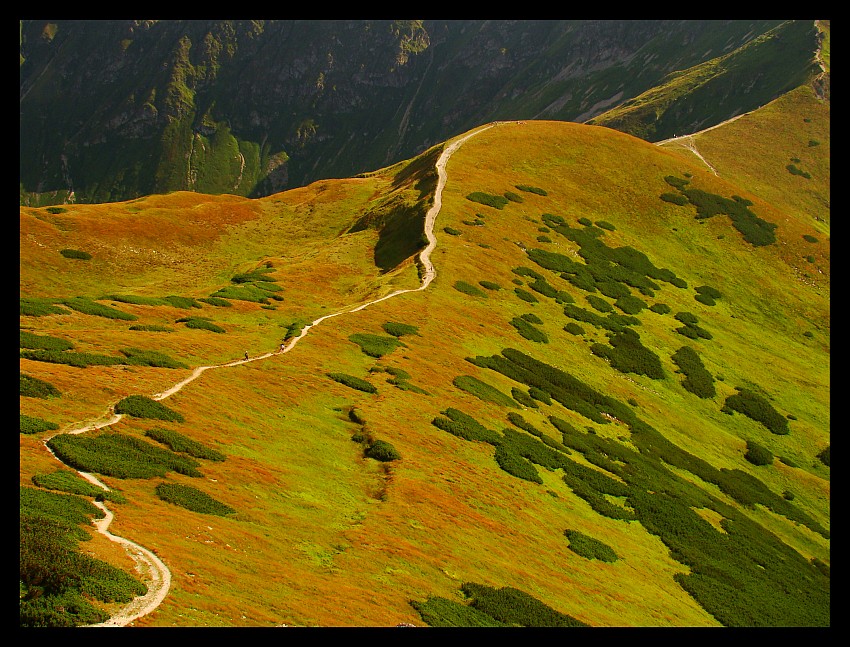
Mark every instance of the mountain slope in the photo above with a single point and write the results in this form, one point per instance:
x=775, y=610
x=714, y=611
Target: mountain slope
x=604, y=445
x=112, y=110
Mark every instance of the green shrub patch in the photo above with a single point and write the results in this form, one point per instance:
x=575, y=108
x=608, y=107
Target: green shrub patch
x=490, y=285
x=628, y=355
x=483, y=391
x=43, y=342
x=153, y=328
x=531, y=189
x=216, y=301
x=382, y=451
x=135, y=299
x=184, y=303
x=526, y=296
x=33, y=425
x=32, y=387
x=528, y=331
x=516, y=608
x=588, y=547
x=823, y=456
x=140, y=357
x=598, y=303
x=70, y=482
x=79, y=360
x=758, y=455
x=119, y=455
x=375, y=345
x=353, y=382
x=141, y=406
x=40, y=308
x=201, y=323
x=523, y=398
x=809, y=238
x=437, y=611
x=756, y=231
x=471, y=290
x=660, y=308
x=88, y=307
x=57, y=580
x=75, y=253
x=400, y=329
x=183, y=444
x=574, y=329
x=697, y=379
x=192, y=499
x=757, y=408
x=495, y=201
x=464, y=426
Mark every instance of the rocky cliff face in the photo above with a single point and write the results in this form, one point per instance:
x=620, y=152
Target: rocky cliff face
x=111, y=110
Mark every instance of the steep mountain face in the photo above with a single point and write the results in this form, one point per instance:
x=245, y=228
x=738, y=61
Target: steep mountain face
x=111, y=110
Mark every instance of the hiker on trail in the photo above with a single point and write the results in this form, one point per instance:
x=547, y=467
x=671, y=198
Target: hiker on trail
x=281, y=347
x=246, y=354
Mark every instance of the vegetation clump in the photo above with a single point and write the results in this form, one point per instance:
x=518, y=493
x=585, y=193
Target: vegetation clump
x=152, y=328
x=464, y=426
x=141, y=406
x=33, y=425
x=32, y=387
x=823, y=456
x=353, y=382
x=758, y=455
x=574, y=329
x=184, y=445
x=451, y=231
x=528, y=331
x=483, y=391
x=809, y=238
x=119, y=455
x=599, y=303
x=44, y=342
x=707, y=295
x=201, y=323
x=531, y=189
x=495, y=201
x=192, y=499
x=75, y=253
x=216, y=301
x=375, y=345
x=660, y=308
x=697, y=379
x=490, y=285
x=33, y=307
x=513, y=197
x=757, y=408
x=523, y=398
x=58, y=582
x=382, y=451
x=88, y=307
x=589, y=548
x=471, y=290
x=400, y=329
x=139, y=357
x=526, y=296
x=67, y=481
x=627, y=354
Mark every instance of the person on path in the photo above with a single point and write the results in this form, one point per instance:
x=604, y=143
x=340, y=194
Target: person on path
x=281, y=347
x=246, y=354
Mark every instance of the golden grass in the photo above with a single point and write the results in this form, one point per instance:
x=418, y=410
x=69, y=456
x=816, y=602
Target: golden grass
x=326, y=537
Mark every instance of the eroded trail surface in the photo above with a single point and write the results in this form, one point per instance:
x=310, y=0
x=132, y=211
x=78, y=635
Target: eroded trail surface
x=153, y=571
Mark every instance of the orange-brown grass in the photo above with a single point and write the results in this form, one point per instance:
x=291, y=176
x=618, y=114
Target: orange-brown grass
x=323, y=536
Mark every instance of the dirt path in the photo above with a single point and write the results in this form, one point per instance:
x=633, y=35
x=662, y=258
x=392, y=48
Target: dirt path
x=153, y=570
x=687, y=141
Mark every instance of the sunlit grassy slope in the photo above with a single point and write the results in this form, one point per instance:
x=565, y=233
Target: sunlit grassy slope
x=326, y=536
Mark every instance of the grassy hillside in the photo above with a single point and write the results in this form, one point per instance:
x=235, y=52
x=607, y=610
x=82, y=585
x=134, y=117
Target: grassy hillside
x=604, y=473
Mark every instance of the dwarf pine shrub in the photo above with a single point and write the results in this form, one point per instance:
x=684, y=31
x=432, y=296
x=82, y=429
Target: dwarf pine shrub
x=526, y=296
x=490, y=285
x=375, y=345
x=183, y=444
x=32, y=387
x=483, y=391
x=353, y=382
x=523, y=398
x=75, y=253
x=757, y=454
x=382, y=451
x=531, y=189
x=33, y=425
x=400, y=329
x=88, y=307
x=44, y=342
x=495, y=201
x=141, y=406
x=471, y=290
x=528, y=331
x=201, y=323
x=757, y=408
x=451, y=231
x=589, y=548
x=192, y=499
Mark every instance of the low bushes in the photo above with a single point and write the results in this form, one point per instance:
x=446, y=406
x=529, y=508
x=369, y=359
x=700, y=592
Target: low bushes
x=471, y=290
x=451, y=231
x=184, y=303
x=697, y=379
x=216, y=301
x=119, y=455
x=628, y=355
x=400, y=329
x=757, y=454
x=32, y=387
x=598, y=303
x=184, y=445
x=192, y=499
x=40, y=308
x=464, y=426
x=589, y=548
x=152, y=328
x=528, y=331
x=660, y=308
x=495, y=201
x=382, y=451
x=353, y=382
x=523, y=398
x=526, y=296
x=43, y=342
x=75, y=253
x=201, y=323
x=139, y=357
x=375, y=345
x=88, y=307
x=490, y=285
x=574, y=329
x=516, y=608
x=68, y=481
x=757, y=408
x=483, y=391
x=80, y=360
x=32, y=425
x=531, y=189
x=140, y=406
x=707, y=295
x=630, y=304
x=823, y=456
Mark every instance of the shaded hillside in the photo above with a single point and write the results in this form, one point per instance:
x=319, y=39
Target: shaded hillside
x=609, y=408
x=709, y=93
x=112, y=110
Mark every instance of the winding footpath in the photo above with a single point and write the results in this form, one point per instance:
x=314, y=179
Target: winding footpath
x=149, y=565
